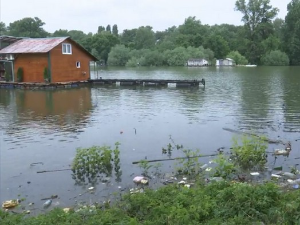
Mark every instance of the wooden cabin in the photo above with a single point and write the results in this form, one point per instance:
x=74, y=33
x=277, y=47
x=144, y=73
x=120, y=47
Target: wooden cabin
x=57, y=59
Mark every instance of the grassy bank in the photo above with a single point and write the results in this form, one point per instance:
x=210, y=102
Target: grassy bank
x=215, y=203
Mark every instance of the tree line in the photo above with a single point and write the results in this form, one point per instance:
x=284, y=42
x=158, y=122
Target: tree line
x=262, y=40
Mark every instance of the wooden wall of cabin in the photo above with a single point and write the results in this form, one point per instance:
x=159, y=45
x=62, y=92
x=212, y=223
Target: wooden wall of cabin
x=33, y=66
x=63, y=66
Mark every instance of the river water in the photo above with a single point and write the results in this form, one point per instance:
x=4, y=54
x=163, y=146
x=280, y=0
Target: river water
x=41, y=130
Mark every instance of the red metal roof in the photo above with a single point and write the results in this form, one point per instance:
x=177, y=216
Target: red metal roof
x=33, y=45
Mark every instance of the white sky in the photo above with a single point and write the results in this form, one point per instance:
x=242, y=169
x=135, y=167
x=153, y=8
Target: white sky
x=87, y=15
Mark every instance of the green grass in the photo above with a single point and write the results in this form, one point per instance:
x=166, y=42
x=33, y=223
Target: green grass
x=215, y=203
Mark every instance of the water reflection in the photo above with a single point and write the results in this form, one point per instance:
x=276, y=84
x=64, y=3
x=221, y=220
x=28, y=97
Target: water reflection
x=66, y=110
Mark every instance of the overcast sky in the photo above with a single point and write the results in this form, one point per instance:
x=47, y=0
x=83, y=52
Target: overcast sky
x=87, y=15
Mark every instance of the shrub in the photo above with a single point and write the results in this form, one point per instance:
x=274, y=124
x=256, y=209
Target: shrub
x=237, y=57
x=46, y=75
x=20, y=74
x=275, y=58
x=251, y=154
x=7, y=76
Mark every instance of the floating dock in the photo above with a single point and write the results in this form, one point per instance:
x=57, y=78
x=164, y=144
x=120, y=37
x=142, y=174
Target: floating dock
x=103, y=82
x=147, y=82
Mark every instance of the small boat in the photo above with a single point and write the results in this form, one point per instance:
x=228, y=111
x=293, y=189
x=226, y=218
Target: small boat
x=250, y=65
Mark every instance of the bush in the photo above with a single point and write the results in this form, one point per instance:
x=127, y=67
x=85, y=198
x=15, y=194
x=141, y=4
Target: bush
x=251, y=155
x=118, y=56
x=275, y=58
x=20, y=74
x=238, y=58
x=46, y=75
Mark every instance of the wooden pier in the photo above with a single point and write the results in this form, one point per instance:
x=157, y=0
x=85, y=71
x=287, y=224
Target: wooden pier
x=148, y=82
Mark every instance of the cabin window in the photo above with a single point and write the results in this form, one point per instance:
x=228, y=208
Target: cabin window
x=67, y=49
x=77, y=64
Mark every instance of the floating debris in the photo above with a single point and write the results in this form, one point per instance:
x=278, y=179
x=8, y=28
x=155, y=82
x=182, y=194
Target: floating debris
x=26, y=211
x=91, y=188
x=10, y=204
x=66, y=210
x=289, y=175
x=277, y=168
x=136, y=190
x=284, y=152
x=47, y=203
x=208, y=169
x=275, y=176
x=254, y=174
x=182, y=182
x=140, y=180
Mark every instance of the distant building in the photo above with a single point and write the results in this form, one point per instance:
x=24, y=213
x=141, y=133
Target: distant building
x=197, y=62
x=225, y=62
x=62, y=58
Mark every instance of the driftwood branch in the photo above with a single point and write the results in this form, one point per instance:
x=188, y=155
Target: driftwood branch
x=161, y=160
x=271, y=141
x=50, y=171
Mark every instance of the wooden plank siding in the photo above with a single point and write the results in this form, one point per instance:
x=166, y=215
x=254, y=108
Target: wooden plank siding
x=33, y=66
x=63, y=66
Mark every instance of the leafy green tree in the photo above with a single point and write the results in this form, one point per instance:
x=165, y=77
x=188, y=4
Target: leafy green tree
x=270, y=44
x=60, y=33
x=78, y=36
x=276, y=58
x=153, y=58
x=278, y=25
x=127, y=38
x=237, y=57
x=103, y=43
x=27, y=27
x=257, y=18
x=100, y=29
x=144, y=38
x=2, y=28
x=218, y=45
x=176, y=57
x=108, y=28
x=115, y=30
x=118, y=56
x=292, y=32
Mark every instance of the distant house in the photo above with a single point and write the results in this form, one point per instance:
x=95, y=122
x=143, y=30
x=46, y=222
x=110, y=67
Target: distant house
x=197, y=62
x=63, y=59
x=225, y=62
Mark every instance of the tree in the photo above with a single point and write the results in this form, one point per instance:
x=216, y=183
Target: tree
x=60, y=33
x=144, y=38
x=191, y=33
x=100, y=29
x=257, y=18
x=108, y=28
x=115, y=30
x=102, y=43
x=218, y=45
x=237, y=57
x=118, y=56
x=27, y=27
x=292, y=32
x=2, y=28
x=276, y=58
x=270, y=44
x=78, y=36
x=127, y=38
